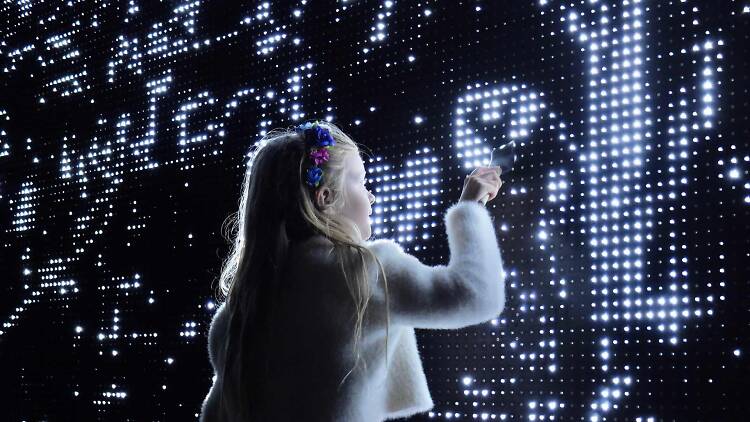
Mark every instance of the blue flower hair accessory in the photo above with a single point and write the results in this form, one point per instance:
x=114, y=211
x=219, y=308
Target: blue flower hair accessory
x=318, y=140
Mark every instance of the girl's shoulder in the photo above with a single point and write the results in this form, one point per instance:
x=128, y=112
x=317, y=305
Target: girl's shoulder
x=314, y=245
x=216, y=334
x=319, y=251
x=316, y=251
x=384, y=245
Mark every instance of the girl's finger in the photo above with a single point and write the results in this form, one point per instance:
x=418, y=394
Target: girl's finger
x=490, y=175
x=480, y=170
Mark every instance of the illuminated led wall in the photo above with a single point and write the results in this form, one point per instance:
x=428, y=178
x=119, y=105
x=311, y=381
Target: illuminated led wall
x=125, y=129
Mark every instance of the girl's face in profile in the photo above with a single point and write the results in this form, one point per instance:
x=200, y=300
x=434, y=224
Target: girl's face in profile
x=357, y=198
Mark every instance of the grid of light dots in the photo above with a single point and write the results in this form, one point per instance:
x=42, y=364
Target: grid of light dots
x=628, y=129
x=521, y=114
x=617, y=128
x=405, y=207
x=129, y=57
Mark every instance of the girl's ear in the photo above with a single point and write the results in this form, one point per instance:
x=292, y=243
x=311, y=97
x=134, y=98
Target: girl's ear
x=323, y=198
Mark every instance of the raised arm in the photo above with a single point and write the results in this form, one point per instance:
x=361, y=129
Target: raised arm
x=468, y=291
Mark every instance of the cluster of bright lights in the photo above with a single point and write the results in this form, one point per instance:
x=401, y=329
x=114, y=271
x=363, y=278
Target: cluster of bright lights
x=190, y=10
x=707, y=86
x=619, y=123
x=189, y=329
x=108, y=396
x=514, y=106
x=295, y=82
x=5, y=150
x=479, y=397
x=24, y=207
x=203, y=100
x=378, y=31
x=515, y=112
x=263, y=11
x=127, y=50
x=617, y=126
x=266, y=45
x=406, y=198
x=69, y=84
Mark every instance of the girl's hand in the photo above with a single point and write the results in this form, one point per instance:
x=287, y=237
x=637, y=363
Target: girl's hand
x=482, y=185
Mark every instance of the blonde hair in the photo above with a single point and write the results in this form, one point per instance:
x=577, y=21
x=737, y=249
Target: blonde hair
x=270, y=217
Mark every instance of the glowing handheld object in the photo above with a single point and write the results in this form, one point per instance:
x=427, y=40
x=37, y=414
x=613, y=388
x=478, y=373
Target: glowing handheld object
x=504, y=157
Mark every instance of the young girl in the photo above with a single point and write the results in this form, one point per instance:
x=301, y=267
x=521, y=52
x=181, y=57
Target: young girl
x=318, y=323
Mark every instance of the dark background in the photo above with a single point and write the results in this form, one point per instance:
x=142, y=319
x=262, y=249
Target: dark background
x=124, y=132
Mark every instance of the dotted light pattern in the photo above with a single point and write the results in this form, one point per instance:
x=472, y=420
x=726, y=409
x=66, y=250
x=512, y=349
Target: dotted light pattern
x=612, y=288
x=619, y=114
x=407, y=199
x=488, y=116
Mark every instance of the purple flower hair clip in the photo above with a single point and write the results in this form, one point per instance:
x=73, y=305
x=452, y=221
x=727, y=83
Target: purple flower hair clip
x=318, y=139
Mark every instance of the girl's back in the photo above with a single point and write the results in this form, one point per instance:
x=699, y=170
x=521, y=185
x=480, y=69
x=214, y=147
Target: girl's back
x=311, y=348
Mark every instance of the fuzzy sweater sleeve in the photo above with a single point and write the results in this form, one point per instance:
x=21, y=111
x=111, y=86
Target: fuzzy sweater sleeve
x=468, y=291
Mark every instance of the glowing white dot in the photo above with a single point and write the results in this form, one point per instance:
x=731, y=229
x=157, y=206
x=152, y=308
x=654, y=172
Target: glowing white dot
x=418, y=119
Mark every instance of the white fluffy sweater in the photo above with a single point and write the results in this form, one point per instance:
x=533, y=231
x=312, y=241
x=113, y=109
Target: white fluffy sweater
x=313, y=343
